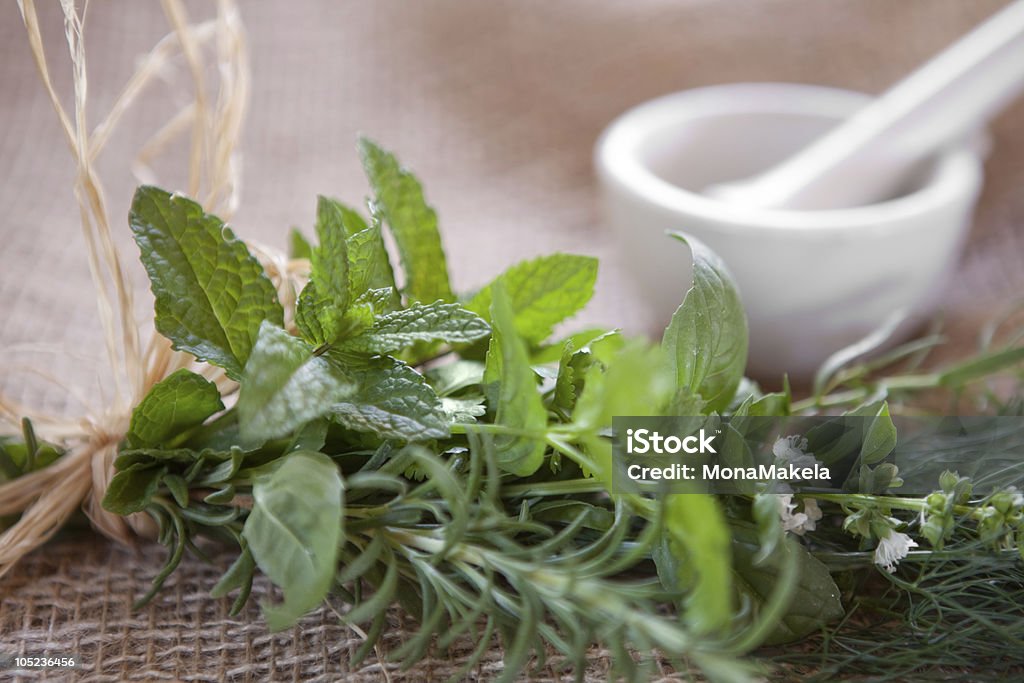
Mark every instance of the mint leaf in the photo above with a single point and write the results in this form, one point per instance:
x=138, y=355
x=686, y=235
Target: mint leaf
x=211, y=294
x=320, y=310
x=392, y=400
x=175, y=404
x=552, y=352
x=285, y=385
x=518, y=404
x=351, y=219
x=438, y=321
x=298, y=245
x=542, y=292
x=294, y=531
x=453, y=377
x=578, y=355
x=317, y=320
x=330, y=258
x=320, y=323
x=399, y=198
x=369, y=265
x=379, y=300
x=706, y=339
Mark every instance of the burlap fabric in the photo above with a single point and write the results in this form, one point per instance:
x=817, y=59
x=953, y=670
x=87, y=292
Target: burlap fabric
x=496, y=105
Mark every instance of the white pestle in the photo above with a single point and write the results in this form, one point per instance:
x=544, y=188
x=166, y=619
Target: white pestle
x=877, y=151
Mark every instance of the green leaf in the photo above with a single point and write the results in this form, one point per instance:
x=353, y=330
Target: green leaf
x=552, y=352
x=132, y=488
x=317, y=320
x=286, y=386
x=879, y=437
x=211, y=294
x=519, y=404
x=294, y=532
x=178, y=488
x=464, y=409
x=576, y=362
x=981, y=366
x=324, y=301
x=239, y=575
x=399, y=198
x=174, y=405
x=330, y=258
x=706, y=339
x=179, y=456
x=438, y=321
x=542, y=292
x=391, y=400
x=380, y=301
x=632, y=383
x=351, y=219
x=699, y=539
x=298, y=245
x=450, y=378
x=369, y=265
x=815, y=600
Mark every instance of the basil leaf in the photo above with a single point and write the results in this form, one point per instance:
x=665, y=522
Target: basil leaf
x=285, y=386
x=211, y=294
x=399, y=198
x=294, y=531
x=815, y=600
x=542, y=292
x=706, y=339
x=438, y=321
x=518, y=404
x=391, y=400
x=175, y=404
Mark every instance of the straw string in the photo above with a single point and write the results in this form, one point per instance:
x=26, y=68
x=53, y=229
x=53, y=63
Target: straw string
x=46, y=498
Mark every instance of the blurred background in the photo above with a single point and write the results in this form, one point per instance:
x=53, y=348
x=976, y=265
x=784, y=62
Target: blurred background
x=495, y=105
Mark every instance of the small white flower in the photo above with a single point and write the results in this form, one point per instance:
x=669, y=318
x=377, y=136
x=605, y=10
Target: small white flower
x=892, y=549
x=793, y=450
x=798, y=522
x=813, y=513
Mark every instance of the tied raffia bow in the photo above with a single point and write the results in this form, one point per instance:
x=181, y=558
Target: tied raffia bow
x=46, y=498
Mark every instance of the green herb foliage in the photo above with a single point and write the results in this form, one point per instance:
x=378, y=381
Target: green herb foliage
x=402, y=448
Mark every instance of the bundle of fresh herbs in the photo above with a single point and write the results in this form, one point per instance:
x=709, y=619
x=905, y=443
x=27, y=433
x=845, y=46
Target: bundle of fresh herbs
x=366, y=440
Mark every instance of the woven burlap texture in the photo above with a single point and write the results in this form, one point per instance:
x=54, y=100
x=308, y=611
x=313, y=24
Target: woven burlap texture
x=496, y=106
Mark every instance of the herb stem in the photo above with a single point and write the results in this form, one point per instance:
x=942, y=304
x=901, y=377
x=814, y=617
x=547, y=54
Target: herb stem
x=912, y=504
x=554, y=488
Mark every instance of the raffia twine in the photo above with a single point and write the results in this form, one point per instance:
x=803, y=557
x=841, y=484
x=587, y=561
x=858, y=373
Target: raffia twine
x=46, y=498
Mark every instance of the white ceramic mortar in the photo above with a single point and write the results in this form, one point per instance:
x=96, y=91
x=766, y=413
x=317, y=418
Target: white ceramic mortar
x=812, y=282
